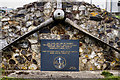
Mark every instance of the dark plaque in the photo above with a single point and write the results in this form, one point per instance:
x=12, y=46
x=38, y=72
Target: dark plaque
x=60, y=55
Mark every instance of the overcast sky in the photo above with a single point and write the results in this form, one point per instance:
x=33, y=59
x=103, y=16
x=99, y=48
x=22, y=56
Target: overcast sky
x=20, y=3
x=14, y=3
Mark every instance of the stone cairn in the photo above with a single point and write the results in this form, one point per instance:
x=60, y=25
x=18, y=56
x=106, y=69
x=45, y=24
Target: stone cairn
x=93, y=55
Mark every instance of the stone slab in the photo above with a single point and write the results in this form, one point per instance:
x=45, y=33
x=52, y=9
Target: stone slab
x=59, y=74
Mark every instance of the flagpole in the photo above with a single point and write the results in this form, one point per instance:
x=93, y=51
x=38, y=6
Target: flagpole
x=111, y=6
x=91, y=2
x=106, y=5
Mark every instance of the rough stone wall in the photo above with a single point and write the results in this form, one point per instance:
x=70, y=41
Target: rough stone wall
x=93, y=55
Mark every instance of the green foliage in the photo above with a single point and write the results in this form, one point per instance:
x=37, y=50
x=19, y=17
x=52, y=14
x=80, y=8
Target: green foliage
x=8, y=78
x=0, y=16
x=106, y=74
x=109, y=76
x=117, y=17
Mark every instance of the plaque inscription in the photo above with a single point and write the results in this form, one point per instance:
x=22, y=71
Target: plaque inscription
x=60, y=55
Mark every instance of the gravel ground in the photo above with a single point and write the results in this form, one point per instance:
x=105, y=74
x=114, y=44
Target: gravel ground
x=59, y=74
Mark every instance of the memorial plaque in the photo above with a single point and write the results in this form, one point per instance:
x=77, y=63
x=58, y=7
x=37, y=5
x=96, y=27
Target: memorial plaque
x=60, y=55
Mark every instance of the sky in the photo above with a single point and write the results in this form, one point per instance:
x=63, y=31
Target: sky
x=14, y=3
x=19, y=3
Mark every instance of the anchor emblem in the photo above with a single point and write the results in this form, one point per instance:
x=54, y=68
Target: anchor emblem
x=59, y=62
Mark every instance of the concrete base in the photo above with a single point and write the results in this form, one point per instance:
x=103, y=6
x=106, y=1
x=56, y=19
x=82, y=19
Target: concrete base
x=58, y=74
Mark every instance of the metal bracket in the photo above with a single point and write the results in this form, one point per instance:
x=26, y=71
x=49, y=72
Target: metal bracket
x=59, y=14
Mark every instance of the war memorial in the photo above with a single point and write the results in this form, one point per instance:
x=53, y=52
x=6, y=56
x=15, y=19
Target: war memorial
x=62, y=38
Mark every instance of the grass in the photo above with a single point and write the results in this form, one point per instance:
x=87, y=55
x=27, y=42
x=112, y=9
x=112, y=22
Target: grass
x=0, y=16
x=109, y=76
x=10, y=78
x=106, y=74
x=118, y=16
